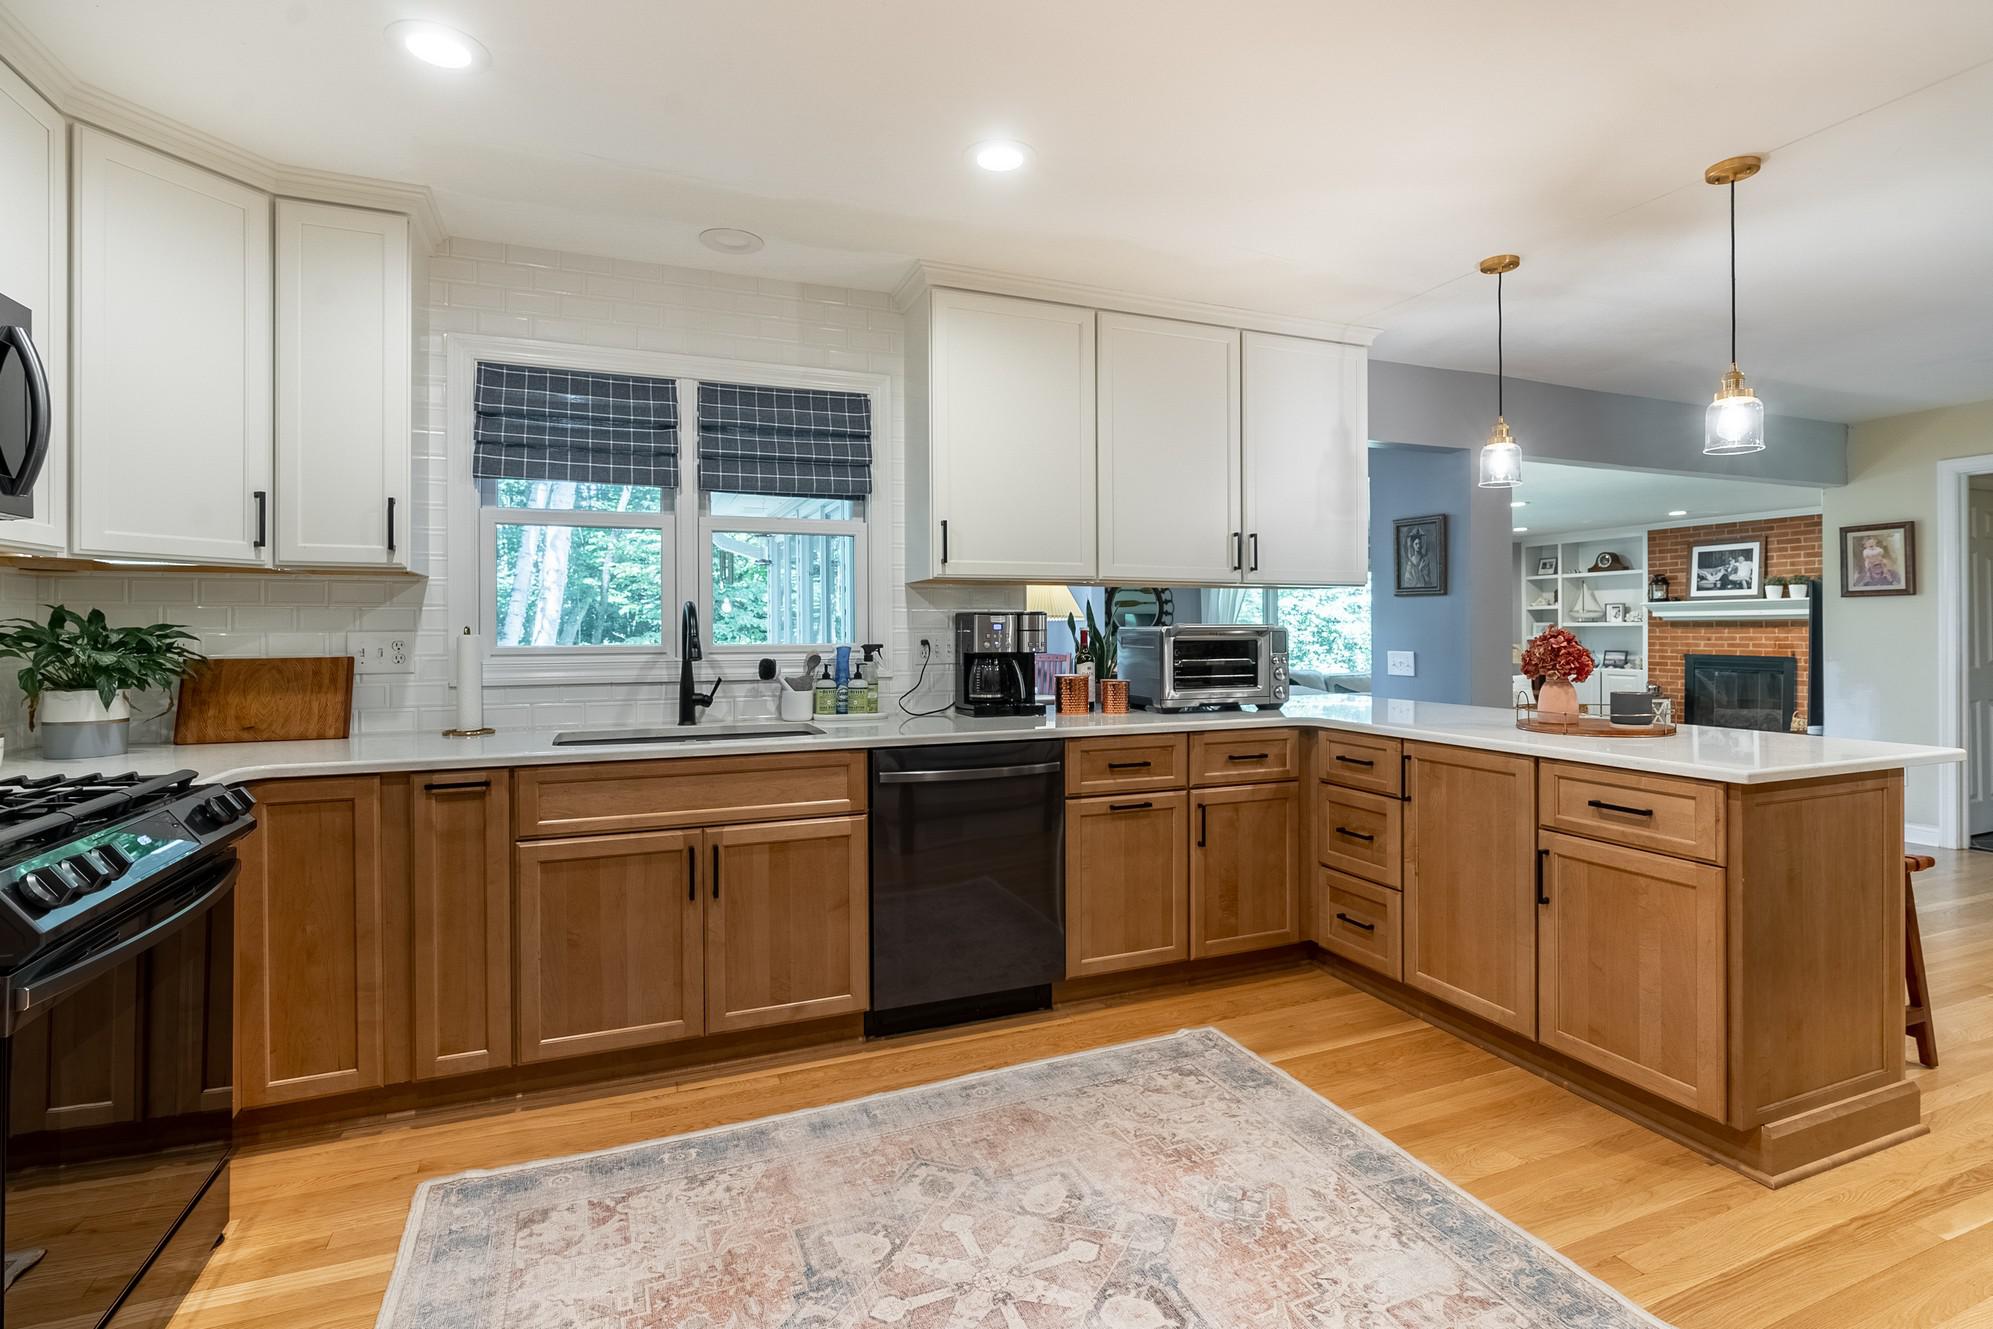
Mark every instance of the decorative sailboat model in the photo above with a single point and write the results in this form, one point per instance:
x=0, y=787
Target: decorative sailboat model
x=1587, y=608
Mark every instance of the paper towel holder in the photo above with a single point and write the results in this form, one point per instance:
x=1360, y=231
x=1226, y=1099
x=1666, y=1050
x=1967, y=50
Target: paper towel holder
x=478, y=732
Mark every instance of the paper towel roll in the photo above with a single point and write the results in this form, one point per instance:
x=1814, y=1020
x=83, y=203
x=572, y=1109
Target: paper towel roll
x=470, y=680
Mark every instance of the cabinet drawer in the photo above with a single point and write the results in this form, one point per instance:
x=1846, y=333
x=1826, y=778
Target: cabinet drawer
x=1357, y=761
x=1126, y=765
x=1360, y=834
x=1358, y=920
x=596, y=798
x=1658, y=812
x=1242, y=758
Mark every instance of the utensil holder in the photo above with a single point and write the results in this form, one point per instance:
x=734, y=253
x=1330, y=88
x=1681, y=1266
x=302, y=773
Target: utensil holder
x=1072, y=694
x=1114, y=696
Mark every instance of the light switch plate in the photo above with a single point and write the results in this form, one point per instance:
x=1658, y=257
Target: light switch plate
x=1399, y=664
x=382, y=652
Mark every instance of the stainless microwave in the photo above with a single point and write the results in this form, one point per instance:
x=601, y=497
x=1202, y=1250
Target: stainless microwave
x=1191, y=665
x=24, y=411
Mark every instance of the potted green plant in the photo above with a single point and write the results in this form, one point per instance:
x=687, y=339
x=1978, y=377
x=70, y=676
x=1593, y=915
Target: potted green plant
x=1775, y=588
x=76, y=669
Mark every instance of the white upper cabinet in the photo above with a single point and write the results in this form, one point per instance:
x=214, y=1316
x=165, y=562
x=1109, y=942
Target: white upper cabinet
x=34, y=271
x=343, y=326
x=172, y=420
x=1169, y=451
x=1000, y=470
x=1307, y=469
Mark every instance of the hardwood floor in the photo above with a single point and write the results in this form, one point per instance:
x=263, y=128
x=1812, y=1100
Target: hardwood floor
x=1903, y=1239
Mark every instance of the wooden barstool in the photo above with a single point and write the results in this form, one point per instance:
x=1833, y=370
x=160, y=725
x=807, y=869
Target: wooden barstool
x=1917, y=1020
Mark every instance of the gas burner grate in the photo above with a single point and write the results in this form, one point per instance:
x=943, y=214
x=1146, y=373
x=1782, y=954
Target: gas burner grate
x=35, y=808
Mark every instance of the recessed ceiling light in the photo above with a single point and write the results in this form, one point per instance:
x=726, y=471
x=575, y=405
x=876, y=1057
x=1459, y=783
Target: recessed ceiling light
x=1518, y=502
x=1519, y=529
x=434, y=44
x=1679, y=512
x=1000, y=154
x=730, y=240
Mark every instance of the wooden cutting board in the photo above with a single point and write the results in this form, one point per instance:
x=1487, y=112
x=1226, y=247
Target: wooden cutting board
x=248, y=701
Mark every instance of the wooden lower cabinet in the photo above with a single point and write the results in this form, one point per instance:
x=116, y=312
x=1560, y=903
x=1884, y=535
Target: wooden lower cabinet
x=610, y=952
x=310, y=1015
x=460, y=921
x=786, y=936
x=1470, y=881
x=1127, y=882
x=1631, y=967
x=1245, y=860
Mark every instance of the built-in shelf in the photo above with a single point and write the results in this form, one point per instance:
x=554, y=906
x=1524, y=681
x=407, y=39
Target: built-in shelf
x=1732, y=610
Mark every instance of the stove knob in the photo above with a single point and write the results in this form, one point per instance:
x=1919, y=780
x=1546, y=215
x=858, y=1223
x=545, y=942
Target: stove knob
x=242, y=798
x=86, y=869
x=114, y=858
x=42, y=889
x=222, y=809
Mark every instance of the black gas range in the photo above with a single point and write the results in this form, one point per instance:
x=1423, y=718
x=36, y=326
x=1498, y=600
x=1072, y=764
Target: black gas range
x=116, y=1040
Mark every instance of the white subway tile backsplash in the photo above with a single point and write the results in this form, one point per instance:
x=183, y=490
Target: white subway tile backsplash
x=246, y=590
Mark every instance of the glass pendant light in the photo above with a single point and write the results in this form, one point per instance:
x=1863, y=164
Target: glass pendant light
x=1735, y=421
x=1501, y=458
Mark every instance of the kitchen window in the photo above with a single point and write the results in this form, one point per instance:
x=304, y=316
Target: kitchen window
x=1328, y=627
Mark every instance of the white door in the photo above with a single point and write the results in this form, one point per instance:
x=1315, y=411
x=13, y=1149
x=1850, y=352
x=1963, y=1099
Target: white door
x=1979, y=661
x=34, y=271
x=1307, y=464
x=1012, y=438
x=172, y=370
x=343, y=327
x=1169, y=452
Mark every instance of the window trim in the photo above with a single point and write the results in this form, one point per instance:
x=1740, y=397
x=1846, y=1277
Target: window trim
x=689, y=572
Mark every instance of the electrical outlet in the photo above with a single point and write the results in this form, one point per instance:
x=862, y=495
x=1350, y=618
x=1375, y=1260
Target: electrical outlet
x=382, y=652
x=1400, y=664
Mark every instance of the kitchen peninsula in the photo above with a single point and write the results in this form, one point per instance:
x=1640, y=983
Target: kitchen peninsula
x=1702, y=932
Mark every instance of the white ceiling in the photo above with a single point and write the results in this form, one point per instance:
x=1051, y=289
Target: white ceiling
x=1576, y=498
x=1346, y=161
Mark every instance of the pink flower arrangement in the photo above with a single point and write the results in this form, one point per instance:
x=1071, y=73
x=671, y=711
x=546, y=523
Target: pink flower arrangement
x=1556, y=651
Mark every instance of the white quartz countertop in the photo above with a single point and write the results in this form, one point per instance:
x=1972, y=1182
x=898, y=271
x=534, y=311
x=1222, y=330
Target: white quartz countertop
x=1736, y=756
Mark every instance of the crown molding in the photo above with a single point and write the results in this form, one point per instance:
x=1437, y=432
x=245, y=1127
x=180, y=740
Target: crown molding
x=91, y=105
x=924, y=275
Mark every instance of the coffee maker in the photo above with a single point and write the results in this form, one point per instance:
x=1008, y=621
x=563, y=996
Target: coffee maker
x=996, y=662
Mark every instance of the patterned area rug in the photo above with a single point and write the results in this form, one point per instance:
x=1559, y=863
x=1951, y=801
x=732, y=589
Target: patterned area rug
x=1177, y=1183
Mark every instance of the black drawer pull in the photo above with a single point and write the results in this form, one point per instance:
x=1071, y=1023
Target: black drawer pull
x=447, y=785
x=691, y=872
x=1367, y=927
x=1128, y=765
x=1129, y=807
x=1354, y=835
x=1618, y=807
x=1247, y=756
x=1364, y=762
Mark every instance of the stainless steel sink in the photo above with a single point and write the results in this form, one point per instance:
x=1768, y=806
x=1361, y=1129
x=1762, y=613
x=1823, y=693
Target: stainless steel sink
x=704, y=733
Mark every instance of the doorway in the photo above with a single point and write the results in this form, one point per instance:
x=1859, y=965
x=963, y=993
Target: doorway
x=1965, y=650
x=1979, y=661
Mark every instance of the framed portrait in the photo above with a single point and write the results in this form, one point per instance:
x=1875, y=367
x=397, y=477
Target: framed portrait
x=1419, y=555
x=1879, y=559
x=1734, y=570
x=1615, y=612
x=1546, y=567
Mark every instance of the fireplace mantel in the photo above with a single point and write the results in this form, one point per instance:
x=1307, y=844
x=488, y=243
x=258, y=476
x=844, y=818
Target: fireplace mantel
x=1729, y=611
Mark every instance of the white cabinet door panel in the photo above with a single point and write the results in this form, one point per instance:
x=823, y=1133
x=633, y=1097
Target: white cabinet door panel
x=343, y=328
x=1011, y=438
x=172, y=422
x=1169, y=451
x=34, y=271
x=1307, y=470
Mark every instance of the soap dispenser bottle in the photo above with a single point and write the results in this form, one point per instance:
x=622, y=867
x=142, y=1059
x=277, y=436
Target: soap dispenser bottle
x=825, y=700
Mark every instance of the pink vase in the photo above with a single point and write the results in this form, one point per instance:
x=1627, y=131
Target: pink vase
x=1558, y=699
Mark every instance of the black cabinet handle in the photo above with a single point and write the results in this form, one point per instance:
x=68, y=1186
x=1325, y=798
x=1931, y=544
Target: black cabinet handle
x=1127, y=765
x=1603, y=806
x=716, y=872
x=1405, y=775
x=390, y=524
x=691, y=873
x=1247, y=756
x=1129, y=807
x=1542, y=896
x=446, y=785
x=1203, y=822
x=1355, y=835
x=262, y=519
x=1253, y=541
x=1238, y=553
x=944, y=541
x=1367, y=927
x=1364, y=762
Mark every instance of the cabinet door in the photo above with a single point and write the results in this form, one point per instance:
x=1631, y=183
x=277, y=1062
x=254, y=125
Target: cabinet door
x=309, y=1014
x=786, y=934
x=1127, y=882
x=1307, y=461
x=1470, y=881
x=34, y=271
x=172, y=371
x=343, y=327
x=460, y=887
x=1011, y=421
x=1169, y=451
x=1245, y=881
x=1632, y=973
x=608, y=943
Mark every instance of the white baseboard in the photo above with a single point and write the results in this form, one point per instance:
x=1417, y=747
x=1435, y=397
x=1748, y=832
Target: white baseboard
x=1915, y=833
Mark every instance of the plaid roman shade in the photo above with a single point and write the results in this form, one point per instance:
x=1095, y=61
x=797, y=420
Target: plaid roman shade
x=569, y=424
x=799, y=442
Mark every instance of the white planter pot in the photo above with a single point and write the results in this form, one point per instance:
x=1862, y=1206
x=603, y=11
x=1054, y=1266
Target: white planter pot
x=1774, y=592
x=77, y=726
x=1799, y=590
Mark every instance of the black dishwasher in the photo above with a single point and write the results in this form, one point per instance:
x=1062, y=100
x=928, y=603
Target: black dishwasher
x=968, y=882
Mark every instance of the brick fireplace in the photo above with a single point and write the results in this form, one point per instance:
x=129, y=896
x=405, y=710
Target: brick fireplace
x=1792, y=549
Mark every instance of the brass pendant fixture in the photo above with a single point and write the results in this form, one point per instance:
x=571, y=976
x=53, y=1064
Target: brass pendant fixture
x=1501, y=457
x=1735, y=421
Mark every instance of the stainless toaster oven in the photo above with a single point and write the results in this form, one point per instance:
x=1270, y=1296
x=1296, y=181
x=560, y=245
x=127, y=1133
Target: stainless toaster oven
x=1189, y=665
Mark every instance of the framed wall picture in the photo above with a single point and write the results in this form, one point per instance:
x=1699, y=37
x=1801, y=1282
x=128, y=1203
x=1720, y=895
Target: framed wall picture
x=1612, y=659
x=1879, y=559
x=1546, y=567
x=1730, y=571
x=1419, y=555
